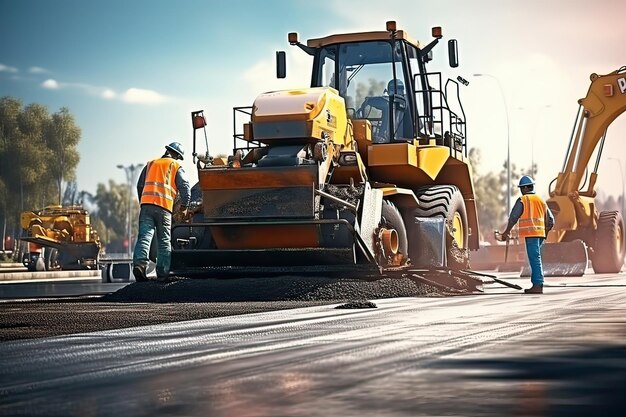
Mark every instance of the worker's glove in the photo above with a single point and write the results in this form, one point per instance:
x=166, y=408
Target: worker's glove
x=503, y=237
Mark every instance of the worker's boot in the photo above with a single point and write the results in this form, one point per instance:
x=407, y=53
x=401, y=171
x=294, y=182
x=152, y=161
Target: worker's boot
x=535, y=289
x=140, y=273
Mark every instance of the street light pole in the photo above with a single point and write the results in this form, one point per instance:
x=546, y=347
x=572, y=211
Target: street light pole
x=619, y=162
x=130, y=171
x=534, y=134
x=508, y=143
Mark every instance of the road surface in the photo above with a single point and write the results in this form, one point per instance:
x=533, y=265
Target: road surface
x=501, y=353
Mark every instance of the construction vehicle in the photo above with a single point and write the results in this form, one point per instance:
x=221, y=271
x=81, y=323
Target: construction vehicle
x=354, y=173
x=576, y=215
x=581, y=232
x=65, y=233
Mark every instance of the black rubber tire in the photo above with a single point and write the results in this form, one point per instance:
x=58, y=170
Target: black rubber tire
x=320, y=152
x=51, y=259
x=446, y=201
x=392, y=219
x=608, y=251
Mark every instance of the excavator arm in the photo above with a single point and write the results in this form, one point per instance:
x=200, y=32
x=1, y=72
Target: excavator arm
x=574, y=208
x=605, y=101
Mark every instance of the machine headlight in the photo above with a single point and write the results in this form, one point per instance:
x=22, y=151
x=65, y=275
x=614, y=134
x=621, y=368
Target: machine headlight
x=348, y=159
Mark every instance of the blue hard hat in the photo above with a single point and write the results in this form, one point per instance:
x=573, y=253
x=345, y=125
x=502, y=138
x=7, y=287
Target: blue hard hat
x=526, y=180
x=395, y=85
x=177, y=149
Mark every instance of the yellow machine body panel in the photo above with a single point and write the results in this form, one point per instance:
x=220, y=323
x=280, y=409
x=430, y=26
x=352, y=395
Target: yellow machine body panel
x=309, y=114
x=61, y=224
x=413, y=159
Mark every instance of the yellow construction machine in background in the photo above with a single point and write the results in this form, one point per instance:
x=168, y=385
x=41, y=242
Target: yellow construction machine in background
x=366, y=169
x=574, y=208
x=581, y=232
x=65, y=233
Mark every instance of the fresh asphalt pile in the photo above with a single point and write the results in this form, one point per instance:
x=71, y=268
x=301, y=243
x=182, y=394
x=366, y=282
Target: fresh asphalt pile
x=180, y=299
x=283, y=288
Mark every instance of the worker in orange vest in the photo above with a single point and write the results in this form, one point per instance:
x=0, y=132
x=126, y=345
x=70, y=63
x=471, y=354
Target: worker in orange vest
x=535, y=221
x=158, y=185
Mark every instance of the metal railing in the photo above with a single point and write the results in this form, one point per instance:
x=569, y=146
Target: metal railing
x=442, y=123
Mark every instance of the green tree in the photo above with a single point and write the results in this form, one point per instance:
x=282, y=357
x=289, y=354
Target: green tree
x=109, y=218
x=490, y=194
x=37, y=152
x=9, y=109
x=62, y=138
x=32, y=158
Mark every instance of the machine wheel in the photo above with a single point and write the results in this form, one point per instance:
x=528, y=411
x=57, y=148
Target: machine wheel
x=392, y=220
x=608, y=251
x=51, y=259
x=446, y=201
x=320, y=152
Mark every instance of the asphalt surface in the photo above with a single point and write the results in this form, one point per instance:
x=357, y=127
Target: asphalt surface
x=501, y=353
x=145, y=303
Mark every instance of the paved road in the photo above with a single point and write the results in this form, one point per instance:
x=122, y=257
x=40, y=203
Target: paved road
x=12, y=290
x=501, y=354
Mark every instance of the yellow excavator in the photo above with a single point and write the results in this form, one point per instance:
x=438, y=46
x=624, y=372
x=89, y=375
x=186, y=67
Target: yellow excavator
x=581, y=232
x=366, y=169
x=574, y=208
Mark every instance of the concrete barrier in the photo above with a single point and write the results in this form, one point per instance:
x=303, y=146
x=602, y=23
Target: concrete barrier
x=40, y=275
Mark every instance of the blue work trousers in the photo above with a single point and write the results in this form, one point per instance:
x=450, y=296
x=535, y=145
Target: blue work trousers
x=533, y=250
x=154, y=218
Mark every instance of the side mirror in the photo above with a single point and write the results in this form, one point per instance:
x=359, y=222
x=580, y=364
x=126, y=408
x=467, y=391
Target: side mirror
x=281, y=64
x=453, y=53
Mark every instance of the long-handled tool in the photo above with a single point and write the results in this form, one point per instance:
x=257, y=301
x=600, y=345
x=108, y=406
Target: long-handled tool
x=506, y=266
x=498, y=280
x=499, y=236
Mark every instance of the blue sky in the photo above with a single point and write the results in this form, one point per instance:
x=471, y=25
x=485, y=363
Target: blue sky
x=132, y=71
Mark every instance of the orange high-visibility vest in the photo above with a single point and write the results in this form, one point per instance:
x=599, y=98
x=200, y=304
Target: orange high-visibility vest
x=532, y=222
x=160, y=183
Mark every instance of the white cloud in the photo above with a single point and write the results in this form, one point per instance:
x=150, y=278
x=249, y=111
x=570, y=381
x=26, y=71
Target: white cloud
x=142, y=96
x=50, y=84
x=108, y=94
x=131, y=95
x=6, y=68
x=38, y=70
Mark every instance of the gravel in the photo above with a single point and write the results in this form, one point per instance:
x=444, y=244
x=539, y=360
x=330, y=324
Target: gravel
x=289, y=288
